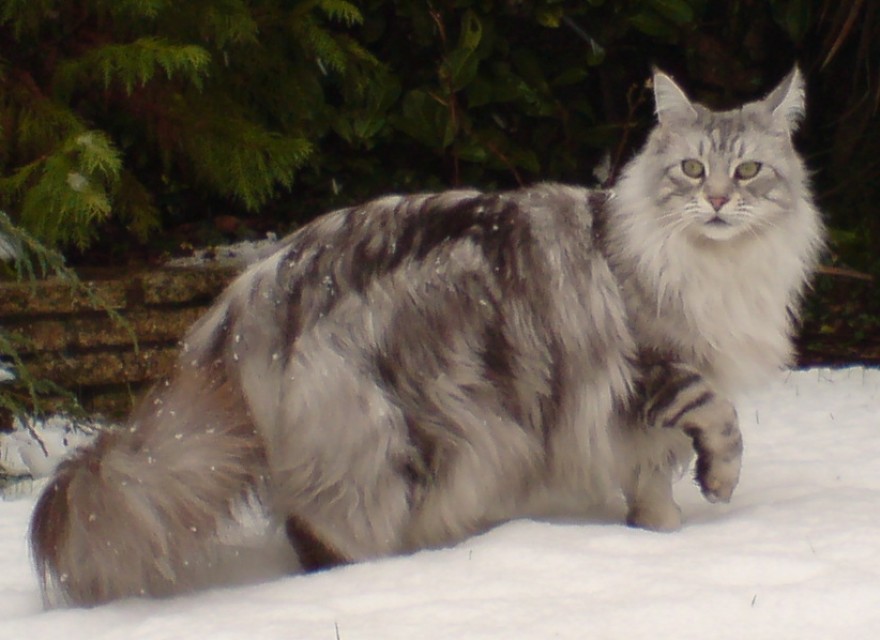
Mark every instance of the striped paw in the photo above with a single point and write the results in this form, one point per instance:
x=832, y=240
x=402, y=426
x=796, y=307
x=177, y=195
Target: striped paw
x=719, y=458
x=680, y=398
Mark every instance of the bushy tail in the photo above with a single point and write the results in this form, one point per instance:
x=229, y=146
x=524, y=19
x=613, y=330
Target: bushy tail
x=137, y=513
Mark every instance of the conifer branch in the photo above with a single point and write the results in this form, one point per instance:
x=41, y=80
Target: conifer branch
x=32, y=260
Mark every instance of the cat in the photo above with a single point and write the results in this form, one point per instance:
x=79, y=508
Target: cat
x=411, y=371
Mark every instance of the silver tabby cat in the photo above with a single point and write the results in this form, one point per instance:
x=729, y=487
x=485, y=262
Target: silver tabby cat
x=408, y=372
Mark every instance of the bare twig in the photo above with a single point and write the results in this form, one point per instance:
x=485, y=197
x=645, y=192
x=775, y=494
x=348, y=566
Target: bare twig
x=451, y=101
x=633, y=101
x=844, y=272
x=844, y=32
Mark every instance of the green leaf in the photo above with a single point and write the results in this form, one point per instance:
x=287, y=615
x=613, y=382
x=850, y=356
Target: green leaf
x=530, y=68
x=133, y=64
x=360, y=126
x=549, y=16
x=96, y=155
x=62, y=195
x=229, y=23
x=525, y=158
x=461, y=67
x=471, y=32
x=342, y=11
x=678, y=11
x=135, y=8
x=505, y=87
x=596, y=54
x=654, y=25
x=794, y=16
x=424, y=118
x=245, y=161
x=570, y=76
x=43, y=124
x=471, y=151
x=135, y=206
x=320, y=43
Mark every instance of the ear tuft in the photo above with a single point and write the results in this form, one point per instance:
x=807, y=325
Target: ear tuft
x=786, y=102
x=670, y=102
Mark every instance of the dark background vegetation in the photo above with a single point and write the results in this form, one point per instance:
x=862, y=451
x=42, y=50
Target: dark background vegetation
x=135, y=129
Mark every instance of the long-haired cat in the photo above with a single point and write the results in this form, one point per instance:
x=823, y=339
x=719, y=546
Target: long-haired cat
x=407, y=372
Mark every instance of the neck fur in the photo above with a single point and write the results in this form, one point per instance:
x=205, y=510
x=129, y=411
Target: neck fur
x=727, y=307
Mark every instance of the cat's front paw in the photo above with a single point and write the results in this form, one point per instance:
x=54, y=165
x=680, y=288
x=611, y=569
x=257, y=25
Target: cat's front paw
x=717, y=478
x=719, y=460
x=666, y=517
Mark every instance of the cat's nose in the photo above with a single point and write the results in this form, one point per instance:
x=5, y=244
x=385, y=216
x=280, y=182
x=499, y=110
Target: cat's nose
x=717, y=201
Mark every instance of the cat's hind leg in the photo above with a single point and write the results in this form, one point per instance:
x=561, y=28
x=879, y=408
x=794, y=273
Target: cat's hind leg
x=651, y=461
x=366, y=478
x=363, y=468
x=339, y=461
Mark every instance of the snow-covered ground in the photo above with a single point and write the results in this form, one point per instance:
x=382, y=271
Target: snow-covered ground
x=796, y=555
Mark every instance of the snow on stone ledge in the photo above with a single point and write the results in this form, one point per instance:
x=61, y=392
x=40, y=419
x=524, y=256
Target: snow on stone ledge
x=239, y=254
x=8, y=250
x=6, y=374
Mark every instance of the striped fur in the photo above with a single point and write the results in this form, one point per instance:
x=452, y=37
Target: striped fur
x=407, y=372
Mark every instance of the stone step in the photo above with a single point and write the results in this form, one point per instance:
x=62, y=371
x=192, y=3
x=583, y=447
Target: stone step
x=70, y=340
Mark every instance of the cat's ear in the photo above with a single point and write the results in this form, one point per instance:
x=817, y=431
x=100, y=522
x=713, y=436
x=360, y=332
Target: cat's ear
x=786, y=102
x=670, y=102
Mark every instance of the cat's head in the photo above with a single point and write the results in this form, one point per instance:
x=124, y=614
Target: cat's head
x=721, y=174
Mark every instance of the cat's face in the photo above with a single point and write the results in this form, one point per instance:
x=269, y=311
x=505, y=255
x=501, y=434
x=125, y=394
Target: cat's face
x=719, y=175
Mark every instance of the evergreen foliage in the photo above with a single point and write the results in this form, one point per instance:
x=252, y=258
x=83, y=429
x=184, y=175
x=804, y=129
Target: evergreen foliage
x=147, y=114
x=190, y=107
x=109, y=107
x=31, y=260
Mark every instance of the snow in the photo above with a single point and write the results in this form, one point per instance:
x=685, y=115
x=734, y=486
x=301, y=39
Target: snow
x=795, y=555
x=8, y=248
x=35, y=449
x=237, y=255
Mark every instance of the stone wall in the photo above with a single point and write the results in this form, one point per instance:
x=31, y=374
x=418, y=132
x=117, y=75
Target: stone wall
x=75, y=344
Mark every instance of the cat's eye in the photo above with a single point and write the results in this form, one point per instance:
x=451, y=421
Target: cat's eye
x=693, y=168
x=747, y=170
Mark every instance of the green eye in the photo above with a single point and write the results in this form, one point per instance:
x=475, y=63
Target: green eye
x=692, y=168
x=746, y=170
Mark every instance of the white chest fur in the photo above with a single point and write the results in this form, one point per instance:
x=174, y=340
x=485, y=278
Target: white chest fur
x=726, y=307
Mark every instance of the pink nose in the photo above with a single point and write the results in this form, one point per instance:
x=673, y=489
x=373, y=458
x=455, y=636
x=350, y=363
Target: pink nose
x=717, y=201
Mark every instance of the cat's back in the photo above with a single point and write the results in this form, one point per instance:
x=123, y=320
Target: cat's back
x=516, y=277
x=517, y=242
x=358, y=245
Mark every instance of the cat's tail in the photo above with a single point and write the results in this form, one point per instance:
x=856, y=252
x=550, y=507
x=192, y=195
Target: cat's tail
x=137, y=513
